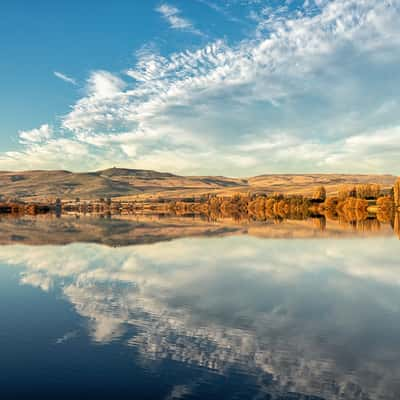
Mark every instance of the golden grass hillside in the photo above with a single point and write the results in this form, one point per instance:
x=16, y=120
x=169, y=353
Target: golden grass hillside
x=135, y=184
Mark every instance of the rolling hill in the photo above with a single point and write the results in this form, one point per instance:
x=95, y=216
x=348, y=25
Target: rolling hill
x=139, y=184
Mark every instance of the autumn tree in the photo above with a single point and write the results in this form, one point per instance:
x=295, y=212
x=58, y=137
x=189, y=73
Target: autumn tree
x=368, y=191
x=346, y=191
x=396, y=193
x=319, y=195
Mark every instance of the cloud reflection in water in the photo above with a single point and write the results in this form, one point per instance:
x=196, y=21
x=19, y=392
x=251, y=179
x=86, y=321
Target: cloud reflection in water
x=318, y=317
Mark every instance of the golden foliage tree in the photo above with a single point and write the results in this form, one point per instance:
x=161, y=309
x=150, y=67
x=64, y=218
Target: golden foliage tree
x=368, y=191
x=346, y=191
x=396, y=193
x=320, y=194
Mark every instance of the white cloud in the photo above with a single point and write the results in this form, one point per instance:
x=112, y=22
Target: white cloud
x=65, y=78
x=103, y=84
x=310, y=92
x=173, y=16
x=38, y=135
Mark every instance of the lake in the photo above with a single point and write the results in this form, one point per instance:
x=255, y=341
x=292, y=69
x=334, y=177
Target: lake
x=185, y=308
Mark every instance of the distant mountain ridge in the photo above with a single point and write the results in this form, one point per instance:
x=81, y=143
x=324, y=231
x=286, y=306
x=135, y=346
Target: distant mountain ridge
x=41, y=185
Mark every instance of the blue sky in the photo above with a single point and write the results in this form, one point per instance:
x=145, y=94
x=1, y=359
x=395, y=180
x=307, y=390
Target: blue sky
x=235, y=87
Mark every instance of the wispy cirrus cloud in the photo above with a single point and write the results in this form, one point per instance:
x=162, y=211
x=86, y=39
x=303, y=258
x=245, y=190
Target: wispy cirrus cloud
x=65, y=78
x=175, y=20
x=221, y=9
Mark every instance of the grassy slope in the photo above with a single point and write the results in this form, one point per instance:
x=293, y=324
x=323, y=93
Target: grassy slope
x=129, y=184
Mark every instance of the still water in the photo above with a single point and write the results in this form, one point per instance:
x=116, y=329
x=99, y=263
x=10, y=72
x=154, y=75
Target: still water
x=217, y=315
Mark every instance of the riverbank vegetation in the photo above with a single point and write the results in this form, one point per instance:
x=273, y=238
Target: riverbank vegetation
x=351, y=203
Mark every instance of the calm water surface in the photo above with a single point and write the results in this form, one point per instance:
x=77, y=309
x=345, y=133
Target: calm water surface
x=221, y=317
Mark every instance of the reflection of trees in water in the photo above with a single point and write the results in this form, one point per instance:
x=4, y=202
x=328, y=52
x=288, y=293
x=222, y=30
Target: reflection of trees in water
x=362, y=207
x=368, y=225
x=356, y=219
x=396, y=224
x=320, y=223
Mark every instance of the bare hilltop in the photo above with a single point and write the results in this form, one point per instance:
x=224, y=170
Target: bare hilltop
x=123, y=183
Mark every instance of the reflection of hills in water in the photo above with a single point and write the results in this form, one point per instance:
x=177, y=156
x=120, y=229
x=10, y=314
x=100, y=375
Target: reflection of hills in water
x=294, y=316
x=122, y=230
